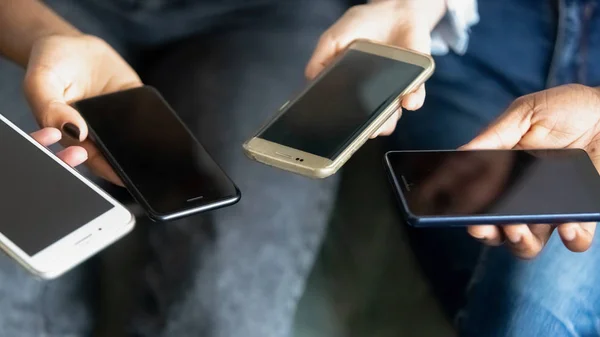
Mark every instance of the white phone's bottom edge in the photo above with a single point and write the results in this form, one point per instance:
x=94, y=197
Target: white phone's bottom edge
x=54, y=273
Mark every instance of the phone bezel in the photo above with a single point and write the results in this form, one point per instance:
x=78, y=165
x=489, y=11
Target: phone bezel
x=188, y=207
x=478, y=219
x=82, y=243
x=314, y=166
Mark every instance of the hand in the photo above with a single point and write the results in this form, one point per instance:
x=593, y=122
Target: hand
x=402, y=23
x=562, y=117
x=73, y=155
x=63, y=69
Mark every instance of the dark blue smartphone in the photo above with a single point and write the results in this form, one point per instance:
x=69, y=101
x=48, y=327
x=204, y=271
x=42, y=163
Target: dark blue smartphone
x=459, y=188
x=164, y=167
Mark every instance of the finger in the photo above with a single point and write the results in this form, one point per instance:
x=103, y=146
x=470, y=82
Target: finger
x=508, y=129
x=577, y=237
x=45, y=93
x=46, y=136
x=73, y=155
x=414, y=100
x=98, y=164
x=522, y=242
x=389, y=126
x=542, y=232
x=325, y=52
x=489, y=234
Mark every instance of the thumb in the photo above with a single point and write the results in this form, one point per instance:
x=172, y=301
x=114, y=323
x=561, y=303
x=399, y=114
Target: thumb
x=45, y=92
x=508, y=130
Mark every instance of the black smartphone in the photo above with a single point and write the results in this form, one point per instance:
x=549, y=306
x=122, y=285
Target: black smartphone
x=163, y=166
x=458, y=188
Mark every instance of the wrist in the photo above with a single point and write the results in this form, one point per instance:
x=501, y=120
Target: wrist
x=429, y=12
x=23, y=23
x=436, y=10
x=45, y=33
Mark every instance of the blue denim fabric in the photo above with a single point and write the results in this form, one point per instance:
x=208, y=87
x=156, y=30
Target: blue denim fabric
x=577, y=46
x=519, y=47
x=555, y=295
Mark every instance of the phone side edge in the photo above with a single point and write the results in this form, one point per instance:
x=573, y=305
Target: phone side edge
x=378, y=122
x=132, y=189
x=409, y=217
x=282, y=157
x=200, y=209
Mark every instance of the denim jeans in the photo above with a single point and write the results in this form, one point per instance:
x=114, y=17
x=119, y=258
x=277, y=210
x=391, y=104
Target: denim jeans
x=519, y=47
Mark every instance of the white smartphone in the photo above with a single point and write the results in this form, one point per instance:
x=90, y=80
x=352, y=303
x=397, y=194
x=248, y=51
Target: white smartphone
x=51, y=217
x=318, y=131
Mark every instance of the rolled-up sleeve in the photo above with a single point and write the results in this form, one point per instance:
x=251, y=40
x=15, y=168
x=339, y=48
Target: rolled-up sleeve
x=452, y=33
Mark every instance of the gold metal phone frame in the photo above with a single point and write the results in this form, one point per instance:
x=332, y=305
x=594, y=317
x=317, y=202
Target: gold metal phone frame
x=314, y=166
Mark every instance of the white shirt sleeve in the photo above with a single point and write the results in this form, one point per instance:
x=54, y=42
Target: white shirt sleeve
x=452, y=33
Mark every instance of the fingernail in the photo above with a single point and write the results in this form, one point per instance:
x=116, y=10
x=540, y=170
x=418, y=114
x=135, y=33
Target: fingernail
x=569, y=234
x=478, y=235
x=482, y=232
x=71, y=130
x=514, y=237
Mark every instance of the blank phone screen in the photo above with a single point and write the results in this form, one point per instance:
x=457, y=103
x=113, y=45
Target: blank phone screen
x=40, y=201
x=342, y=103
x=500, y=182
x=154, y=149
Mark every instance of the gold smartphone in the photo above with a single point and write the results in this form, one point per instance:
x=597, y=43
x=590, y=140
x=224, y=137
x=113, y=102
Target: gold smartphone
x=318, y=131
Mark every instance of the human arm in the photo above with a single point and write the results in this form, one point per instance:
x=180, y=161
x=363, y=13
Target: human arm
x=23, y=22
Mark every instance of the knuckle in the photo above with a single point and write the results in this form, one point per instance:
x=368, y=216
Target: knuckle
x=525, y=104
x=526, y=257
x=535, y=251
x=529, y=253
x=45, y=116
x=576, y=86
x=583, y=245
x=99, y=46
x=31, y=79
x=95, y=41
x=521, y=100
x=327, y=38
x=354, y=10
